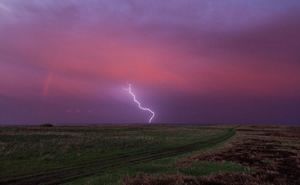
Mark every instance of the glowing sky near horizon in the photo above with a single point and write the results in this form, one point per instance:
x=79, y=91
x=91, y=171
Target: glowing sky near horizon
x=198, y=61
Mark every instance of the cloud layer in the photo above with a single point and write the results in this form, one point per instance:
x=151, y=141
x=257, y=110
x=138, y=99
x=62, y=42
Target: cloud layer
x=68, y=61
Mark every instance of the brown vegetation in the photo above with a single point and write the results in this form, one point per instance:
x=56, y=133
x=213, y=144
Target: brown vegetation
x=272, y=153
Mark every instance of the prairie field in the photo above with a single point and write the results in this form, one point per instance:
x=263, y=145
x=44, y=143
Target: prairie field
x=152, y=154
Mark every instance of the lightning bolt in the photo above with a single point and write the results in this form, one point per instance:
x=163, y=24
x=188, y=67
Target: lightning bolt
x=129, y=89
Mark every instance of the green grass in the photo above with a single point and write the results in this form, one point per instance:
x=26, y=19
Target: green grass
x=29, y=150
x=162, y=166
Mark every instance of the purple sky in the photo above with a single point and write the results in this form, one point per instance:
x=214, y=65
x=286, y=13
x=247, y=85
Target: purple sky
x=192, y=61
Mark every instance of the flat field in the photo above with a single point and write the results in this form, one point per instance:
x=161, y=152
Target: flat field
x=56, y=155
x=152, y=154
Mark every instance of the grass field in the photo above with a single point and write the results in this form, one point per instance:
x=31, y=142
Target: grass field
x=105, y=154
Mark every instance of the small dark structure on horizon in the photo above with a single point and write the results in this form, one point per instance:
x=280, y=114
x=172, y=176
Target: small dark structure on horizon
x=47, y=125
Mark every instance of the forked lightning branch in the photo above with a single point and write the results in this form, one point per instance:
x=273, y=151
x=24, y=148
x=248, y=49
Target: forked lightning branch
x=130, y=91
